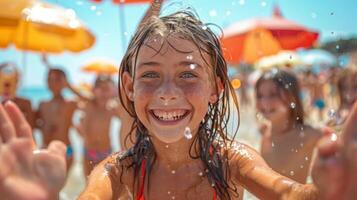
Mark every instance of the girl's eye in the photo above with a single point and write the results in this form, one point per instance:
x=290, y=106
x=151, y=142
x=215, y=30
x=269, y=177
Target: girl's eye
x=150, y=75
x=188, y=75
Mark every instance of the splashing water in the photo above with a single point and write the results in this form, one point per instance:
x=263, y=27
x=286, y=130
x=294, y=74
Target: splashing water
x=187, y=133
x=193, y=66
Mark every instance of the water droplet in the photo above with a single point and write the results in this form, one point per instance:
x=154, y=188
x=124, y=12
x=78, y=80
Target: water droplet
x=292, y=105
x=297, y=118
x=290, y=57
x=193, y=66
x=168, y=192
x=272, y=144
x=98, y=13
x=306, y=158
x=189, y=57
x=79, y=3
x=337, y=46
x=331, y=113
x=263, y=3
x=200, y=173
x=173, y=197
x=167, y=146
x=301, y=166
x=213, y=185
x=173, y=172
x=93, y=8
x=188, y=133
x=331, y=13
x=228, y=12
x=301, y=144
x=204, y=27
x=209, y=161
x=213, y=13
x=206, y=170
x=241, y=2
x=292, y=173
x=296, y=150
x=332, y=32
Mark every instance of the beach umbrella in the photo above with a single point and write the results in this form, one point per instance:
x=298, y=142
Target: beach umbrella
x=101, y=66
x=282, y=59
x=249, y=40
x=317, y=57
x=317, y=60
x=38, y=26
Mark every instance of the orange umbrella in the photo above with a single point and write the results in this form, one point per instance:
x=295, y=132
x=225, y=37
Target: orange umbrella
x=101, y=66
x=39, y=26
x=249, y=40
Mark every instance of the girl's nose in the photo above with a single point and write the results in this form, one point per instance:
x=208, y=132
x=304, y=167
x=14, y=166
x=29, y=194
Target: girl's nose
x=168, y=92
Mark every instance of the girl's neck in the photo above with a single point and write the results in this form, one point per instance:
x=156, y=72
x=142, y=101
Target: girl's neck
x=282, y=128
x=173, y=154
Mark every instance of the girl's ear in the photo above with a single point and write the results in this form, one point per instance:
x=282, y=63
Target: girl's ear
x=216, y=92
x=128, y=85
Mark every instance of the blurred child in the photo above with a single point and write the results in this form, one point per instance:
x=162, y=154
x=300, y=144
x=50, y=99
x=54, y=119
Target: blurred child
x=95, y=123
x=287, y=143
x=347, y=93
x=54, y=117
x=9, y=80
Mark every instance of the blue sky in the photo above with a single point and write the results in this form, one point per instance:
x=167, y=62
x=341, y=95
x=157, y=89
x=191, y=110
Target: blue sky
x=332, y=18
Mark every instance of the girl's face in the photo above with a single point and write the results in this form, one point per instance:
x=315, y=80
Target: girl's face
x=270, y=103
x=349, y=89
x=171, y=90
x=104, y=91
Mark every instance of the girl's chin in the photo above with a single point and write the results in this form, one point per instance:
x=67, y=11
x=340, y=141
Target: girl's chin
x=172, y=138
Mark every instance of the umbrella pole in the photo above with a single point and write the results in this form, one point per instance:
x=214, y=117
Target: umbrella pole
x=122, y=25
x=24, y=53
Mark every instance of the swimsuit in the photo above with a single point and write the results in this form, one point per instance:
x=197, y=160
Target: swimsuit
x=69, y=151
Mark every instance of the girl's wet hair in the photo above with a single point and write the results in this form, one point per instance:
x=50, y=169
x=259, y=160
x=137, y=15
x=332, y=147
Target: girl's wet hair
x=212, y=142
x=289, y=91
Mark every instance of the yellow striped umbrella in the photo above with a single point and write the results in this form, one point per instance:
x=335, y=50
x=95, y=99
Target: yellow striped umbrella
x=38, y=26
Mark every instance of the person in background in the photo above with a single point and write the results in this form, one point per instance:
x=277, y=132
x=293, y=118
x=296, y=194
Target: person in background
x=287, y=142
x=9, y=80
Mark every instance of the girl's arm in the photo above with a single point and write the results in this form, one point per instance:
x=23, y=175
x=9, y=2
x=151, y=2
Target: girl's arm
x=251, y=171
x=99, y=184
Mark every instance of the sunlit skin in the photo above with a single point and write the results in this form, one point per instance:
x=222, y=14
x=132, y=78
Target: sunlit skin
x=286, y=146
x=95, y=122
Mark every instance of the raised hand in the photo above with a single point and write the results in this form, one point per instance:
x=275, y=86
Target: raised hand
x=335, y=168
x=26, y=173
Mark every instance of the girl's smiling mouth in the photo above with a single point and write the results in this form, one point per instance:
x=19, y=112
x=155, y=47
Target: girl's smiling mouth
x=171, y=116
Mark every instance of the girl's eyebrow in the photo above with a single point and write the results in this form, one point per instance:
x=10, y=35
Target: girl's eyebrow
x=188, y=63
x=148, y=64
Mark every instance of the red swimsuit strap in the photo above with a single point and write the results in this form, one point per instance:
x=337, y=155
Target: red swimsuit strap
x=142, y=184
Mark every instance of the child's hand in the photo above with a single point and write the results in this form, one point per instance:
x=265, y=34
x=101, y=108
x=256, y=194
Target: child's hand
x=25, y=174
x=335, y=168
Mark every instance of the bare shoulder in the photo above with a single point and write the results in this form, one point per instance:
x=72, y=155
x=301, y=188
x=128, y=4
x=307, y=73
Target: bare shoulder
x=108, y=179
x=242, y=157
